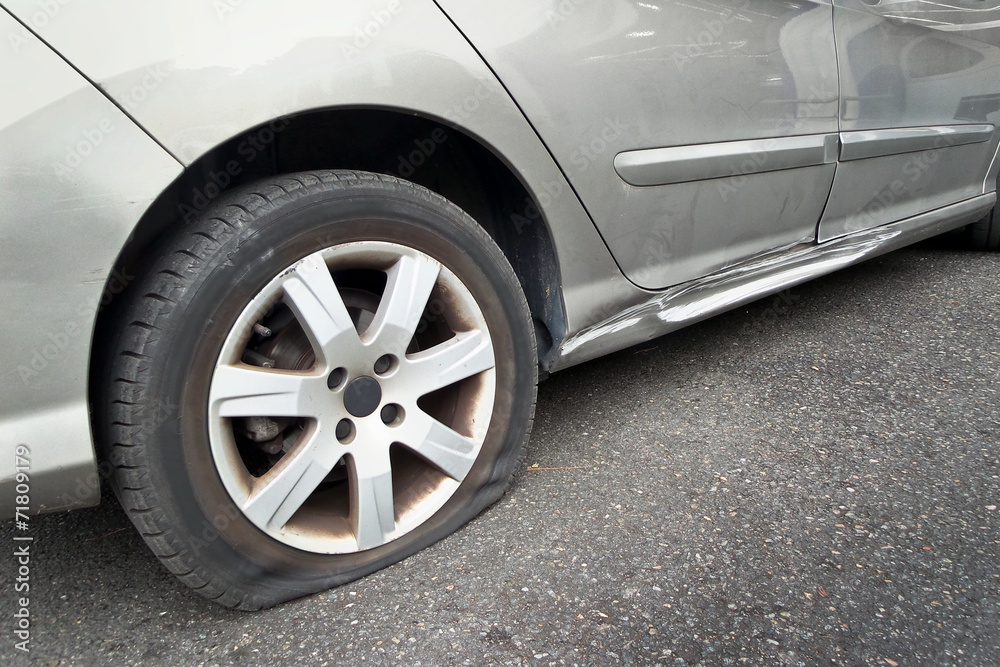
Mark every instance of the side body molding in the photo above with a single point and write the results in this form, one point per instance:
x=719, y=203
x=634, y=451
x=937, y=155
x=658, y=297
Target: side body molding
x=680, y=164
x=863, y=144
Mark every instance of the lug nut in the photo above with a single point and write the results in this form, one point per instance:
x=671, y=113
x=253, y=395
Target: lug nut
x=389, y=414
x=336, y=378
x=383, y=364
x=344, y=427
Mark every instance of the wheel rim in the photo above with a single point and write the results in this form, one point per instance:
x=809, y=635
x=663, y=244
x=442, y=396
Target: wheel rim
x=351, y=397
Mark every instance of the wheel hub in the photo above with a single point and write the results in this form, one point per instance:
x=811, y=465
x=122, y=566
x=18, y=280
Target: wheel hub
x=362, y=396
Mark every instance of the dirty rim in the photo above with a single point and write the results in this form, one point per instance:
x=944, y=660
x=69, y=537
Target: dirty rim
x=351, y=397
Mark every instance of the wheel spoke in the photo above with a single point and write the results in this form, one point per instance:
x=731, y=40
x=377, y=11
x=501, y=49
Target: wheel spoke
x=458, y=358
x=247, y=391
x=313, y=296
x=408, y=287
x=285, y=487
x=450, y=451
x=372, y=504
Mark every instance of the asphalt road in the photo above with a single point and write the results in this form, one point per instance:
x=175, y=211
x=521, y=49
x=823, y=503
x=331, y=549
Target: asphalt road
x=811, y=479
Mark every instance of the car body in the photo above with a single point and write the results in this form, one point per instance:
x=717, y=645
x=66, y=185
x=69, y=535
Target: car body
x=641, y=165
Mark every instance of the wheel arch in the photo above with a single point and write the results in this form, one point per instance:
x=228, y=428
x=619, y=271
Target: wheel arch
x=431, y=152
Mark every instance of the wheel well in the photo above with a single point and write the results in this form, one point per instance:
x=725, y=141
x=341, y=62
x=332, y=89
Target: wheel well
x=428, y=152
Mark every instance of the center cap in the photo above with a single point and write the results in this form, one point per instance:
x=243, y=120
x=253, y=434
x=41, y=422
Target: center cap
x=362, y=396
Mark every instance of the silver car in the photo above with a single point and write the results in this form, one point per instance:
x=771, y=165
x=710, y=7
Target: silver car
x=287, y=274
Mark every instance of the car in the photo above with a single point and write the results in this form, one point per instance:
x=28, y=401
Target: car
x=286, y=275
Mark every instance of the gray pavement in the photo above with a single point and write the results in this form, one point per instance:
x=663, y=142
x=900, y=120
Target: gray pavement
x=812, y=479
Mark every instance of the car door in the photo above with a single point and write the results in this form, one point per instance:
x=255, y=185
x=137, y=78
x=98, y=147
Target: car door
x=697, y=134
x=921, y=97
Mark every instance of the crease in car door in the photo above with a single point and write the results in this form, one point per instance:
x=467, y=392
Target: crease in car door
x=920, y=103
x=697, y=135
